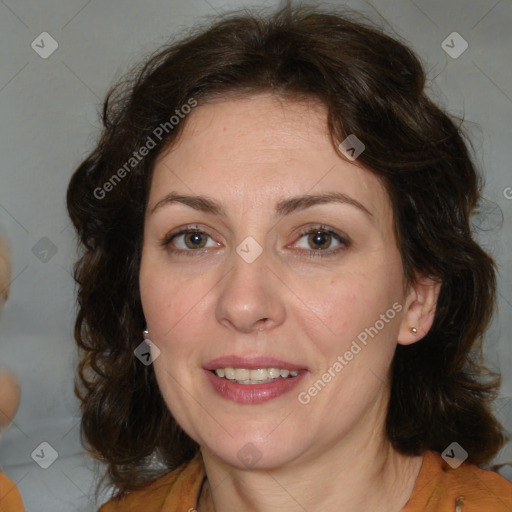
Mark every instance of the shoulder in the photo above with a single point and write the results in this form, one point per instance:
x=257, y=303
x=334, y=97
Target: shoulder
x=10, y=498
x=442, y=485
x=175, y=491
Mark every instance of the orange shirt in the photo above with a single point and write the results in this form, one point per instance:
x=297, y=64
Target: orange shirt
x=438, y=488
x=10, y=499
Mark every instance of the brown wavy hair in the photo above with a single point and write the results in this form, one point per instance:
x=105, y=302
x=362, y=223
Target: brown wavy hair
x=373, y=86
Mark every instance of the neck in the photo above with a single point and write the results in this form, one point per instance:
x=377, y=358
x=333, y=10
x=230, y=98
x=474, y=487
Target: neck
x=341, y=475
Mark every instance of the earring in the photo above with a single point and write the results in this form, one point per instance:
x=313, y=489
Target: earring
x=414, y=330
x=145, y=334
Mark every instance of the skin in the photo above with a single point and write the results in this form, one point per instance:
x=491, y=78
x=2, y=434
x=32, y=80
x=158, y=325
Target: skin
x=249, y=153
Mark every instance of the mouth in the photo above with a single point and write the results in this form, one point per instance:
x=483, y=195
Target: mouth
x=253, y=380
x=252, y=376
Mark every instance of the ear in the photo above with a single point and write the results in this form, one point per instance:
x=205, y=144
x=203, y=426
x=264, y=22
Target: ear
x=420, y=309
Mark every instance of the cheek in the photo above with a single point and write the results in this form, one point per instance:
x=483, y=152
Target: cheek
x=351, y=305
x=159, y=288
x=174, y=306
x=154, y=294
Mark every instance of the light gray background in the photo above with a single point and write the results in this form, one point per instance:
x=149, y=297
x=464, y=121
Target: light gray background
x=48, y=115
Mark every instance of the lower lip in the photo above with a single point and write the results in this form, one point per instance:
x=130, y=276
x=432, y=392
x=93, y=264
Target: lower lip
x=252, y=393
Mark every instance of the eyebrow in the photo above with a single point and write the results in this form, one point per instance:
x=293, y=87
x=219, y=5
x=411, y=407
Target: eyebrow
x=282, y=208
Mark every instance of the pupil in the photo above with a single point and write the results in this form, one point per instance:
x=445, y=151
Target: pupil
x=320, y=239
x=195, y=239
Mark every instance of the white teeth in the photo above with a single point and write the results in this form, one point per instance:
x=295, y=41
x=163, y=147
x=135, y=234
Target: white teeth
x=229, y=373
x=274, y=373
x=254, y=381
x=242, y=374
x=259, y=374
x=254, y=376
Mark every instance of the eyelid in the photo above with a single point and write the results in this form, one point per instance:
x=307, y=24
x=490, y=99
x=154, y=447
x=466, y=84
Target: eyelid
x=182, y=230
x=342, y=238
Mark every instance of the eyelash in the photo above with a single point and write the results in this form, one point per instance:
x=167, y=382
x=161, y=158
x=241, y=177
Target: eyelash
x=321, y=253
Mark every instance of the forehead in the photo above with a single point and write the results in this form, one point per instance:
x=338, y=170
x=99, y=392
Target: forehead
x=259, y=149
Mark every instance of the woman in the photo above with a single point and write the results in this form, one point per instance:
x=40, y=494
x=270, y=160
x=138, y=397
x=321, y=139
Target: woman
x=279, y=208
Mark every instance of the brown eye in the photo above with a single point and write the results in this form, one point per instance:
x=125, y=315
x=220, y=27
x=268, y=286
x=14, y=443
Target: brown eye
x=195, y=239
x=188, y=241
x=319, y=240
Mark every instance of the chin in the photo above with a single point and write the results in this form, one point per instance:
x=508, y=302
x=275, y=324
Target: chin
x=248, y=451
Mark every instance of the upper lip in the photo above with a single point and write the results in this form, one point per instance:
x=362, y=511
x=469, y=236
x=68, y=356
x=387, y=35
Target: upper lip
x=251, y=362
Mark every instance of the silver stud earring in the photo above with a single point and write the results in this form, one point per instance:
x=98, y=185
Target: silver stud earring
x=414, y=330
x=145, y=334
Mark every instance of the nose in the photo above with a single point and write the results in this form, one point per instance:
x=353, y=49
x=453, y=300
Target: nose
x=250, y=297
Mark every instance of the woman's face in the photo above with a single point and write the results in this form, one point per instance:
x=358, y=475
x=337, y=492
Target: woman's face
x=230, y=278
